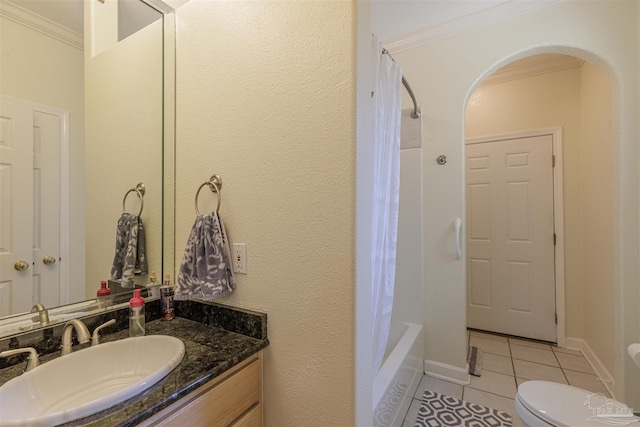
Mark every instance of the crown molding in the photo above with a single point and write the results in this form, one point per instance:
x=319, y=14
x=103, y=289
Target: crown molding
x=482, y=18
x=533, y=66
x=42, y=25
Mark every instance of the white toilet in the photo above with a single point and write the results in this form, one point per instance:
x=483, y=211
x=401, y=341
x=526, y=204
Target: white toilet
x=544, y=403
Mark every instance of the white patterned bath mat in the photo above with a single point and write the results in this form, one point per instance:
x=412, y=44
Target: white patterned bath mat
x=440, y=410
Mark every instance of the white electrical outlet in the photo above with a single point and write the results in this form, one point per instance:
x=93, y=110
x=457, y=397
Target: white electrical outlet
x=239, y=258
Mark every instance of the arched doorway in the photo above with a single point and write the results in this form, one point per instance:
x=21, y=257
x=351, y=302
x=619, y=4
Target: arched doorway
x=566, y=291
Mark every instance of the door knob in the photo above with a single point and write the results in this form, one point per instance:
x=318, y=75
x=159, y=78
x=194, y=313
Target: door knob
x=21, y=265
x=48, y=260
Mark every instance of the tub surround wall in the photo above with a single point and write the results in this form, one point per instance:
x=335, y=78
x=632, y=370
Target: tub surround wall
x=408, y=289
x=580, y=29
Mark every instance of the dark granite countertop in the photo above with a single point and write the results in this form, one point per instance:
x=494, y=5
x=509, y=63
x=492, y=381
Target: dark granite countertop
x=209, y=351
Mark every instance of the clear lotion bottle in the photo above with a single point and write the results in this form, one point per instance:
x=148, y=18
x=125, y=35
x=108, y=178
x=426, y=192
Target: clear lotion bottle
x=136, y=315
x=166, y=299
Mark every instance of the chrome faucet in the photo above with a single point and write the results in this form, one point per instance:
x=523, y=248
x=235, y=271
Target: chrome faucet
x=81, y=332
x=42, y=313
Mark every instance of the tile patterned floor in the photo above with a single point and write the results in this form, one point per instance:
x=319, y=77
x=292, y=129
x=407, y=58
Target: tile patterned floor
x=507, y=362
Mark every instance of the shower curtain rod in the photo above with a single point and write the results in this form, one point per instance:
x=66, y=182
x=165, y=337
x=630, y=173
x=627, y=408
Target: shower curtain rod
x=416, y=110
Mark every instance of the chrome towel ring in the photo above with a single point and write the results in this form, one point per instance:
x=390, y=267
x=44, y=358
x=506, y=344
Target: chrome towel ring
x=139, y=190
x=215, y=184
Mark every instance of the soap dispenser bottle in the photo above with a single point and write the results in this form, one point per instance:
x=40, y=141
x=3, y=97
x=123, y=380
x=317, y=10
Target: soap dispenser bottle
x=136, y=314
x=104, y=290
x=103, y=295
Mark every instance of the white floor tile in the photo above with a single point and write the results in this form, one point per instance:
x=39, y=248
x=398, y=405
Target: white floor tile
x=533, y=354
x=496, y=387
x=574, y=363
x=493, y=382
x=490, y=346
x=488, y=336
x=495, y=363
x=439, y=386
x=412, y=415
x=586, y=381
x=536, y=371
x=530, y=343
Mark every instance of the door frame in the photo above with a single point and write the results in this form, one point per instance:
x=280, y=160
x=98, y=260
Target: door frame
x=558, y=213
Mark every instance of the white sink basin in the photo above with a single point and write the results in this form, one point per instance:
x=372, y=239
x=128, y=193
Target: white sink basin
x=87, y=381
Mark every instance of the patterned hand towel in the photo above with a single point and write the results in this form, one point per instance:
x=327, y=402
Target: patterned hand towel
x=130, y=259
x=205, y=272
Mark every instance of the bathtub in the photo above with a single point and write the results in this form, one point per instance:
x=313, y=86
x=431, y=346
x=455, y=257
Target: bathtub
x=399, y=376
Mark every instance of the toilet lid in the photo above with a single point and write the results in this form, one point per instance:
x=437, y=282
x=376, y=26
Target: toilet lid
x=564, y=405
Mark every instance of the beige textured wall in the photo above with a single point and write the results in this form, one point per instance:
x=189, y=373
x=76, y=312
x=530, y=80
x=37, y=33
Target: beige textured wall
x=41, y=69
x=266, y=99
x=597, y=195
x=538, y=102
x=449, y=69
x=124, y=147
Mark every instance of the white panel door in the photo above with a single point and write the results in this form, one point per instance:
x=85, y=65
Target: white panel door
x=510, y=241
x=46, y=208
x=16, y=205
x=30, y=144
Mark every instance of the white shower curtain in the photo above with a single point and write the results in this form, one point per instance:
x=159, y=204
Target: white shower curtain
x=387, y=80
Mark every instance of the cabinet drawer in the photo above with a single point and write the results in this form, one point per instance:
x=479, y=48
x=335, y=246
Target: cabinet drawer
x=220, y=403
x=253, y=418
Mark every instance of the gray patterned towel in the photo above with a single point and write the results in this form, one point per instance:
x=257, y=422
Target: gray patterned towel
x=130, y=259
x=205, y=272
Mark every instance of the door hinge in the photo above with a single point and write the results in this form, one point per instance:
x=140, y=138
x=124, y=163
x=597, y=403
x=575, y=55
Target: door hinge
x=556, y=318
x=553, y=161
x=554, y=239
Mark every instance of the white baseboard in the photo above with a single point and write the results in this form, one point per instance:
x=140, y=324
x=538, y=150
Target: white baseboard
x=447, y=372
x=601, y=371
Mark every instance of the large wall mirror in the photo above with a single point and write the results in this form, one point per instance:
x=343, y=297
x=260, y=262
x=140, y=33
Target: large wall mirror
x=84, y=119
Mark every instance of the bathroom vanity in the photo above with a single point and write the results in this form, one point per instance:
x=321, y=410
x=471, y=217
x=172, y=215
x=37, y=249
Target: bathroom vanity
x=231, y=399
x=217, y=383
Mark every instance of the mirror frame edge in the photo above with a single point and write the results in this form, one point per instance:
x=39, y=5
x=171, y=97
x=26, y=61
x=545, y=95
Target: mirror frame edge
x=169, y=143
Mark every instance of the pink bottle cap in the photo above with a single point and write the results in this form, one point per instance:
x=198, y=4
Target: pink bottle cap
x=137, y=300
x=103, y=291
